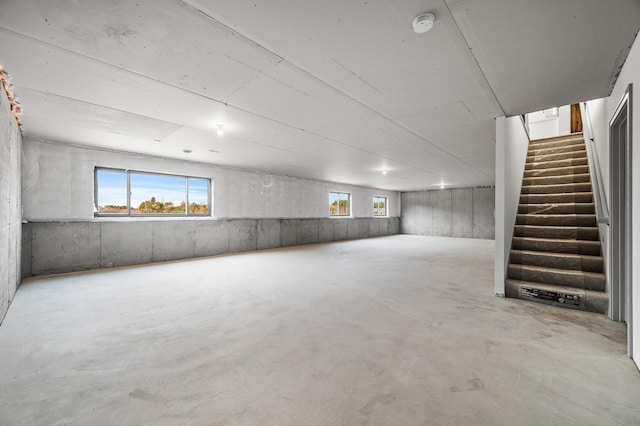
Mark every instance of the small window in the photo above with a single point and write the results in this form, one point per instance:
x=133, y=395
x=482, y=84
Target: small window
x=132, y=193
x=379, y=206
x=339, y=204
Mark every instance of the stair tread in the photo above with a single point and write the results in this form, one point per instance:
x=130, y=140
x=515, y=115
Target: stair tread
x=538, y=165
x=569, y=136
x=561, y=171
x=573, y=155
x=560, y=240
x=572, y=203
x=561, y=149
x=558, y=270
x=573, y=175
x=556, y=208
x=587, y=263
x=559, y=215
x=538, y=185
x=578, y=150
x=556, y=255
x=562, y=195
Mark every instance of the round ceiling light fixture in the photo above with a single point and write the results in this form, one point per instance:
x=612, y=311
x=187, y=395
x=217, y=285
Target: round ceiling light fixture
x=423, y=22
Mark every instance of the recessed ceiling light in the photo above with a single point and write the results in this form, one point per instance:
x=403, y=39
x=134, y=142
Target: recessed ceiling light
x=423, y=22
x=220, y=132
x=384, y=172
x=442, y=186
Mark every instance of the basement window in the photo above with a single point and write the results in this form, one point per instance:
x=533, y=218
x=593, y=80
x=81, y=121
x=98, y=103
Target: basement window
x=339, y=204
x=379, y=206
x=133, y=193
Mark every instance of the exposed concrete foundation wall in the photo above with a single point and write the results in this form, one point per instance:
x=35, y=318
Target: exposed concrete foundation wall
x=58, y=185
x=251, y=211
x=463, y=212
x=56, y=247
x=10, y=205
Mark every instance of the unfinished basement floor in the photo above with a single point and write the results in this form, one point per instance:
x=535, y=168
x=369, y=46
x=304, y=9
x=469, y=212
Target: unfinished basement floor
x=400, y=330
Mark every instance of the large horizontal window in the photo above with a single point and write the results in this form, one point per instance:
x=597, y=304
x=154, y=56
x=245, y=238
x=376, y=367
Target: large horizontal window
x=132, y=193
x=379, y=206
x=339, y=204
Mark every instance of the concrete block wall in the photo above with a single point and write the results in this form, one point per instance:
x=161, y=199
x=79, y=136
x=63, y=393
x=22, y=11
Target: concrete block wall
x=10, y=204
x=251, y=211
x=460, y=212
x=56, y=247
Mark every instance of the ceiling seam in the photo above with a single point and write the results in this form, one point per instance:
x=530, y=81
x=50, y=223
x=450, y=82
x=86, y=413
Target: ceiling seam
x=337, y=90
x=473, y=55
x=265, y=117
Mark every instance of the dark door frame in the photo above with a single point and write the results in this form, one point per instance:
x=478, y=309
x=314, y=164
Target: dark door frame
x=620, y=307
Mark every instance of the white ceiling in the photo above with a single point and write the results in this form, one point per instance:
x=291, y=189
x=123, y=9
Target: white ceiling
x=332, y=90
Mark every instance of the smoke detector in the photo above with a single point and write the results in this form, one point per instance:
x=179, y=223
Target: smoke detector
x=423, y=22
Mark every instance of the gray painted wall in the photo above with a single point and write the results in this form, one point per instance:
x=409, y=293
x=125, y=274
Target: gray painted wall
x=462, y=212
x=512, y=143
x=55, y=247
x=10, y=204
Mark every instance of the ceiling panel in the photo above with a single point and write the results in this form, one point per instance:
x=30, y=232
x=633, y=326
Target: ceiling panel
x=332, y=90
x=72, y=112
x=290, y=96
x=160, y=39
x=548, y=52
x=454, y=126
x=366, y=49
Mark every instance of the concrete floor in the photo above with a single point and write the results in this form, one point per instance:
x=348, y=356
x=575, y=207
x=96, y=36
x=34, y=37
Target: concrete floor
x=400, y=330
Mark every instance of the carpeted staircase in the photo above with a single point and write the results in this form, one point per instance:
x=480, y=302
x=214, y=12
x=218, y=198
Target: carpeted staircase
x=556, y=255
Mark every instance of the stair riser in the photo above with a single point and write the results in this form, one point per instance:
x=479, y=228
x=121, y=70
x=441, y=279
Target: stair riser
x=551, y=180
x=556, y=164
x=588, y=234
x=573, y=208
x=534, y=150
x=577, y=263
x=586, y=281
x=591, y=248
x=560, y=171
x=556, y=220
x=556, y=157
x=554, y=189
x=589, y=301
x=579, y=197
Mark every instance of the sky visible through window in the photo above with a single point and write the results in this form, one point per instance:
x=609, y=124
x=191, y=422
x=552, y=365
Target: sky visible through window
x=112, y=188
x=150, y=190
x=163, y=188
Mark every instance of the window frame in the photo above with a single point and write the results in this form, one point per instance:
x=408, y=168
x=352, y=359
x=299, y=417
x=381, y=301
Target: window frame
x=348, y=194
x=128, y=172
x=386, y=206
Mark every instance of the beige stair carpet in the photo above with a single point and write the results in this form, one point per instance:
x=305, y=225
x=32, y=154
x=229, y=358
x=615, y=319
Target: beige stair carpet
x=556, y=255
